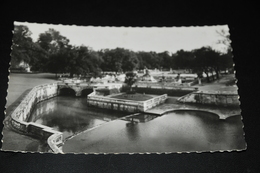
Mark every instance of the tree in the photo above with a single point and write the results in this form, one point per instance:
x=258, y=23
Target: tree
x=225, y=39
x=22, y=45
x=112, y=60
x=208, y=61
x=130, y=61
x=83, y=60
x=52, y=42
x=57, y=62
x=183, y=59
x=147, y=60
x=56, y=48
x=165, y=59
x=202, y=61
x=226, y=58
x=119, y=60
x=130, y=78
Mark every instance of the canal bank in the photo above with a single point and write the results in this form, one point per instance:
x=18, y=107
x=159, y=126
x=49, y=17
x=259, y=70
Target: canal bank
x=172, y=104
x=172, y=132
x=32, y=144
x=19, y=85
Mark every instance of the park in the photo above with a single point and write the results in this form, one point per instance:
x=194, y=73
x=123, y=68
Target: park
x=72, y=99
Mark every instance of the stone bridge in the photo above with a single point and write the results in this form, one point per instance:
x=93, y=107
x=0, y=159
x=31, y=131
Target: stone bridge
x=78, y=88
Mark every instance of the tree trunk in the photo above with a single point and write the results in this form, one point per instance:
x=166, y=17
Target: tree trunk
x=199, y=80
x=208, y=79
x=217, y=73
x=213, y=77
x=71, y=74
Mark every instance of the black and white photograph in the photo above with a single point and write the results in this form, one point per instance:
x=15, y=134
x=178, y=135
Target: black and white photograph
x=114, y=90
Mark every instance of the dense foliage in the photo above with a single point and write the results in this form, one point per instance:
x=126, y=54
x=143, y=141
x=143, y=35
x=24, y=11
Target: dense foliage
x=52, y=52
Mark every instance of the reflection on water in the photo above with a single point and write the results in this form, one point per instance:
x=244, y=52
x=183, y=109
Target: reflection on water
x=70, y=115
x=140, y=118
x=132, y=131
x=172, y=132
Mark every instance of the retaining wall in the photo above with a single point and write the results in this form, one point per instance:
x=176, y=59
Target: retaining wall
x=21, y=114
x=171, y=91
x=124, y=105
x=224, y=98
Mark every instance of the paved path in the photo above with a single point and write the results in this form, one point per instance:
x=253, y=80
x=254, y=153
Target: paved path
x=219, y=85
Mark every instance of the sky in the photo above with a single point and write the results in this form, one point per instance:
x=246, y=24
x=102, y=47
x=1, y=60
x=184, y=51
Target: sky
x=157, y=39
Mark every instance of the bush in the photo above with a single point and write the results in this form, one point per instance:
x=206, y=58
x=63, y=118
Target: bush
x=156, y=91
x=131, y=92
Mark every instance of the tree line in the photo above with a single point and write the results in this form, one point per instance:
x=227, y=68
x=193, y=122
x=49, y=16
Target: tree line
x=53, y=53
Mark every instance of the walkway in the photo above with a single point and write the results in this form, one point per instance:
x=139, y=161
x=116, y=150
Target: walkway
x=19, y=86
x=219, y=85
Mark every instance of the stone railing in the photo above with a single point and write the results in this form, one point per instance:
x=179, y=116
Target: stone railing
x=172, y=86
x=21, y=114
x=223, y=98
x=124, y=105
x=154, y=102
x=114, y=104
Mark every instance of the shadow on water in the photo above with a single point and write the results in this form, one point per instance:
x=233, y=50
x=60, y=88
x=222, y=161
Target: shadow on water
x=132, y=130
x=203, y=115
x=139, y=118
x=178, y=131
x=70, y=115
x=86, y=92
x=175, y=131
x=67, y=92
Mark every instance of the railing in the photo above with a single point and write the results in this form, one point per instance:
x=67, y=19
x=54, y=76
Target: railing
x=154, y=101
x=112, y=100
x=224, y=98
x=139, y=105
x=22, y=112
x=183, y=86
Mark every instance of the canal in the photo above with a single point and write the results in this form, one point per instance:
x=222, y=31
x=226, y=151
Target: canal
x=173, y=132
x=70, y=115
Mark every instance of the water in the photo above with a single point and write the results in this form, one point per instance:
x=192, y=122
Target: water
x=172, y=132
x=70, y=115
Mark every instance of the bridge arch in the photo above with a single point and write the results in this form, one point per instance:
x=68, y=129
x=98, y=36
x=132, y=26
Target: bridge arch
x=67, y=92
x=78, y=89
x=86, y=91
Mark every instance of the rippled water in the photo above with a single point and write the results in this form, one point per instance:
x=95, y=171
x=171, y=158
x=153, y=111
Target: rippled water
x=175, y=131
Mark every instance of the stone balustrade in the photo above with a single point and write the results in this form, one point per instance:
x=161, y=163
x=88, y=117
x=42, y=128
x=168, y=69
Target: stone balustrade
x=21, y=114
x=222, y=98
x=124, y=105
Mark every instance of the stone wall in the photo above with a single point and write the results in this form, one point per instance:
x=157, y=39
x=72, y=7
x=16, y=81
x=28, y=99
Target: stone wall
x=154, y=102
x=79, y=87
x=224, y=98
x=124, y=105
x=21, y=114
x=170, y=91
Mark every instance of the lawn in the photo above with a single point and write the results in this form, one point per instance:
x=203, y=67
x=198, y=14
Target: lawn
x=135, y=97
